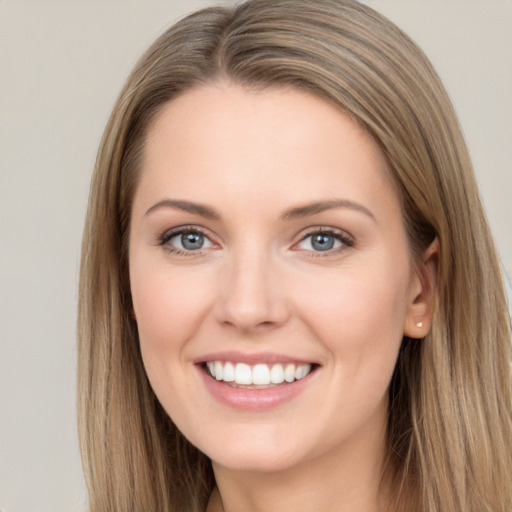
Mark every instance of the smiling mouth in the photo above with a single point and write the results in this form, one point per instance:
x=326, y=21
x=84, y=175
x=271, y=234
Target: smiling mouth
x=258, y=376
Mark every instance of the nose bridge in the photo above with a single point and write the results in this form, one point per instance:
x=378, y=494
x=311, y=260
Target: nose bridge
x=251, y=295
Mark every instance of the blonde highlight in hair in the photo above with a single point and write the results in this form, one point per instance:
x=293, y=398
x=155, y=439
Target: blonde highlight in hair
x=450, y=421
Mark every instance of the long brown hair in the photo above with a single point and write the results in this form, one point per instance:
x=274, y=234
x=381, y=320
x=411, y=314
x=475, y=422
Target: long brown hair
x=450, y=420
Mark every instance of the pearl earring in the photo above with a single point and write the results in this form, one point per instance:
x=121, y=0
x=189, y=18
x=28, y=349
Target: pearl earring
x=419, y=324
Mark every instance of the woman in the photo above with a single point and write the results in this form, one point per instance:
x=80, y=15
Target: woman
x=289, y=294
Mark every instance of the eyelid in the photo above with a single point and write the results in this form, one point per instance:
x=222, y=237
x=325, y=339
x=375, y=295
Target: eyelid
x=346, y=239
x=164, y=239
x=178, y=230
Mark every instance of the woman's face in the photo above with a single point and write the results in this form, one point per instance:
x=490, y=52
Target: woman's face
x=271, y=277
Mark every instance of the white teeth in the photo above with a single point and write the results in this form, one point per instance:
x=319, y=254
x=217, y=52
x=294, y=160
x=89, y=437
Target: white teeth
x=243, y=374
x=277, y=374
x=259, y=374
x=289, y=373
x=228, y=375
x=218, y=370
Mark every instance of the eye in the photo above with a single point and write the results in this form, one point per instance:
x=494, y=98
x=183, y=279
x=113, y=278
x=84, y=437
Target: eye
x=324, y=241
x=185, y=241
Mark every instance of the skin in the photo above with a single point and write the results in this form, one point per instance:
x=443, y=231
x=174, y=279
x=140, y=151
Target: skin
x=258, y=285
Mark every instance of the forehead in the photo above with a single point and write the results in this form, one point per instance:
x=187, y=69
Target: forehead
x=272, y=143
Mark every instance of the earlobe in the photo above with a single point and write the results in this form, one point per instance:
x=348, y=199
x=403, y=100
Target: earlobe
x=418, y=320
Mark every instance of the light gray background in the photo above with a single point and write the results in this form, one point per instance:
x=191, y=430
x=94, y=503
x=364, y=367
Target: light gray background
x=62, y=64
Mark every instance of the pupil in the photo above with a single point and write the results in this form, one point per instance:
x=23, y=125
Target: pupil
x=322, y=242
x=192, y=241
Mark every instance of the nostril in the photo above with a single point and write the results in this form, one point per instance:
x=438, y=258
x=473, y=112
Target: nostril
x=260, y=317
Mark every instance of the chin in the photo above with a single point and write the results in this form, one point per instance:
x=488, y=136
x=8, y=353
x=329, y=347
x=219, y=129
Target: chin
x=249, y=453
x=255, y=463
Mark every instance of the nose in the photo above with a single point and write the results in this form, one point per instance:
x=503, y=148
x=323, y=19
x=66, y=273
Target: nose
x=252, y=297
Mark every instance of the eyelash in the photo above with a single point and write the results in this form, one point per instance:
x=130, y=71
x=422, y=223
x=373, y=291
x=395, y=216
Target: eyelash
x=346, y=240
x=165, y=238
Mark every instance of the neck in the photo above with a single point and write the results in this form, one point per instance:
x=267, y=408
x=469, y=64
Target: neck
x=348, y=479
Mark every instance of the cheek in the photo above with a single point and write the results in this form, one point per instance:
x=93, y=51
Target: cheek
x=169, y=306
x=359, y=316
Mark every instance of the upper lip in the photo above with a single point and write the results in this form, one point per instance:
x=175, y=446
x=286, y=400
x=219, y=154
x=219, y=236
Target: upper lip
x=251, y=359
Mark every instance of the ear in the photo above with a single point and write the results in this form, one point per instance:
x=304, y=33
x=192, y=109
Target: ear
x=420, y=310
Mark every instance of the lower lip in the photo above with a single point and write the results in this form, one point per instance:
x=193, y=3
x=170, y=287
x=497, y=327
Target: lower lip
x=246, y=399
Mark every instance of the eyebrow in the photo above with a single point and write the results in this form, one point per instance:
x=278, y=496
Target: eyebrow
x=186, y=206
x=321, y=206
x=291, y=214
